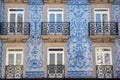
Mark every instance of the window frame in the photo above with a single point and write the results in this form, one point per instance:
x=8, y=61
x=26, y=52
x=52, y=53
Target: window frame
x=15, y=53
x=55, y=52
x=107, y=12
x=48, y=13
x=103, y=54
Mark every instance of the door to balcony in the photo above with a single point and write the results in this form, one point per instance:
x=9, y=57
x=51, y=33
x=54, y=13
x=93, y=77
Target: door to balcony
x=102, y=15
x=104, y=67
x=15, y=19
x=55, y=16
x=55, y=67
x=14, y=63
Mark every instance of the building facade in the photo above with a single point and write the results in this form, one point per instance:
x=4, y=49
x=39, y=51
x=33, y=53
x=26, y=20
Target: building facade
x=59, y=39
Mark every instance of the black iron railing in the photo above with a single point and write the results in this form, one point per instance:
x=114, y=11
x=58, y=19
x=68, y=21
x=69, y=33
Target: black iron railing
x=55, y=28
x=103, y=28
x=104, y=71
x=13, y=71
x=14, y=28
x=56, y=71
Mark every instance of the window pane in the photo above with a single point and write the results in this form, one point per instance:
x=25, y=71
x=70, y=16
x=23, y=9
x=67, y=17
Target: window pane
x=52, y=59
x=59, y=59
x=18, y=59
x=52, y=18
x=105, y=17
x=107, y=59
x=11, y=59
x=59, y=17
x=12, y=17
x=99, y=59
x=20, y=17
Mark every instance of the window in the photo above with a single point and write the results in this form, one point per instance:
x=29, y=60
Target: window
x=15, y=19
x=103, y=56
x=55, y=56
x=14, y=56
x=55, y=17
x=101, y=17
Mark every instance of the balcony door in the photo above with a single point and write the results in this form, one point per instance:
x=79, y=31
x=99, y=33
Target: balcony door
x=14, y=63
x=55, y=17
x=55, y=67
x=102, y=19
x=104, y=67
x=15, y=19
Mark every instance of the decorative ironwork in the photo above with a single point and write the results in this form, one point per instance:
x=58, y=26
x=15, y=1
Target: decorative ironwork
x=14, y=28
x=55, y=28
x=56, y=71
x=13, y=71
x=104, y=71
x=103, y=28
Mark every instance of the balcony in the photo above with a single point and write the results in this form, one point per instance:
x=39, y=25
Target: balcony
x=101, y=1
x=104, y=71
x=13, y=71
x=16, y=1
x=103, y=31
x=55, y=31
x=14, y=31
x=56, y=71
x=55, y=1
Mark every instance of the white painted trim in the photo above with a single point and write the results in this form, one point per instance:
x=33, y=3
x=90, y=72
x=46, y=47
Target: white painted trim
x=15, y=53
x=55, y=52
x=107, y=12
x=48, y=13
x=103, y=54
x=16, y=13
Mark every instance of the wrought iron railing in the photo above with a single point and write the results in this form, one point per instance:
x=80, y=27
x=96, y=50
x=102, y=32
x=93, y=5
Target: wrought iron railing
x=55, y=28
x=104, y=71
x=56, y=71
x=103, y=28
x=13, y=71
x=14, y=28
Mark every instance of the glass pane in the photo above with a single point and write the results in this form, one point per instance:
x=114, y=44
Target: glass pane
x=12, y=23
x=59, y=17
x=52, y=26
x=18, y=59
x=52, y=18
x=105, y=17
x=98, y=25
x=107, y=59
x=59, y=59
x=11, y=59
x=20, y=18
x=19, y=22
x=12, y=17
x=52, y=59
x=99, y=59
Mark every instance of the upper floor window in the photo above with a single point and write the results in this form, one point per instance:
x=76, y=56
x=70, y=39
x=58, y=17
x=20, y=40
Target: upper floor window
x=55, y=15
x=101, y=15
x=15, y=19
x=16, y=15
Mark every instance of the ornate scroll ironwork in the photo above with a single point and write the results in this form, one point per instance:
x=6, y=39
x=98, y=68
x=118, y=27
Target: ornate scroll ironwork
x=13, y=71
x=56, y=71
x=104, y=71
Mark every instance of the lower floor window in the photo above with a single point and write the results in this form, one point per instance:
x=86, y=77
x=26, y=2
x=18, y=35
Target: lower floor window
x=14, y=63
x=104, y=67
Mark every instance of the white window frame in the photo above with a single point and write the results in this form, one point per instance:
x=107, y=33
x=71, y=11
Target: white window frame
x=16, y=13
x=55, y=52
x=107, y=12
x=103, y=53
x=15, y=53
x=55, y=13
